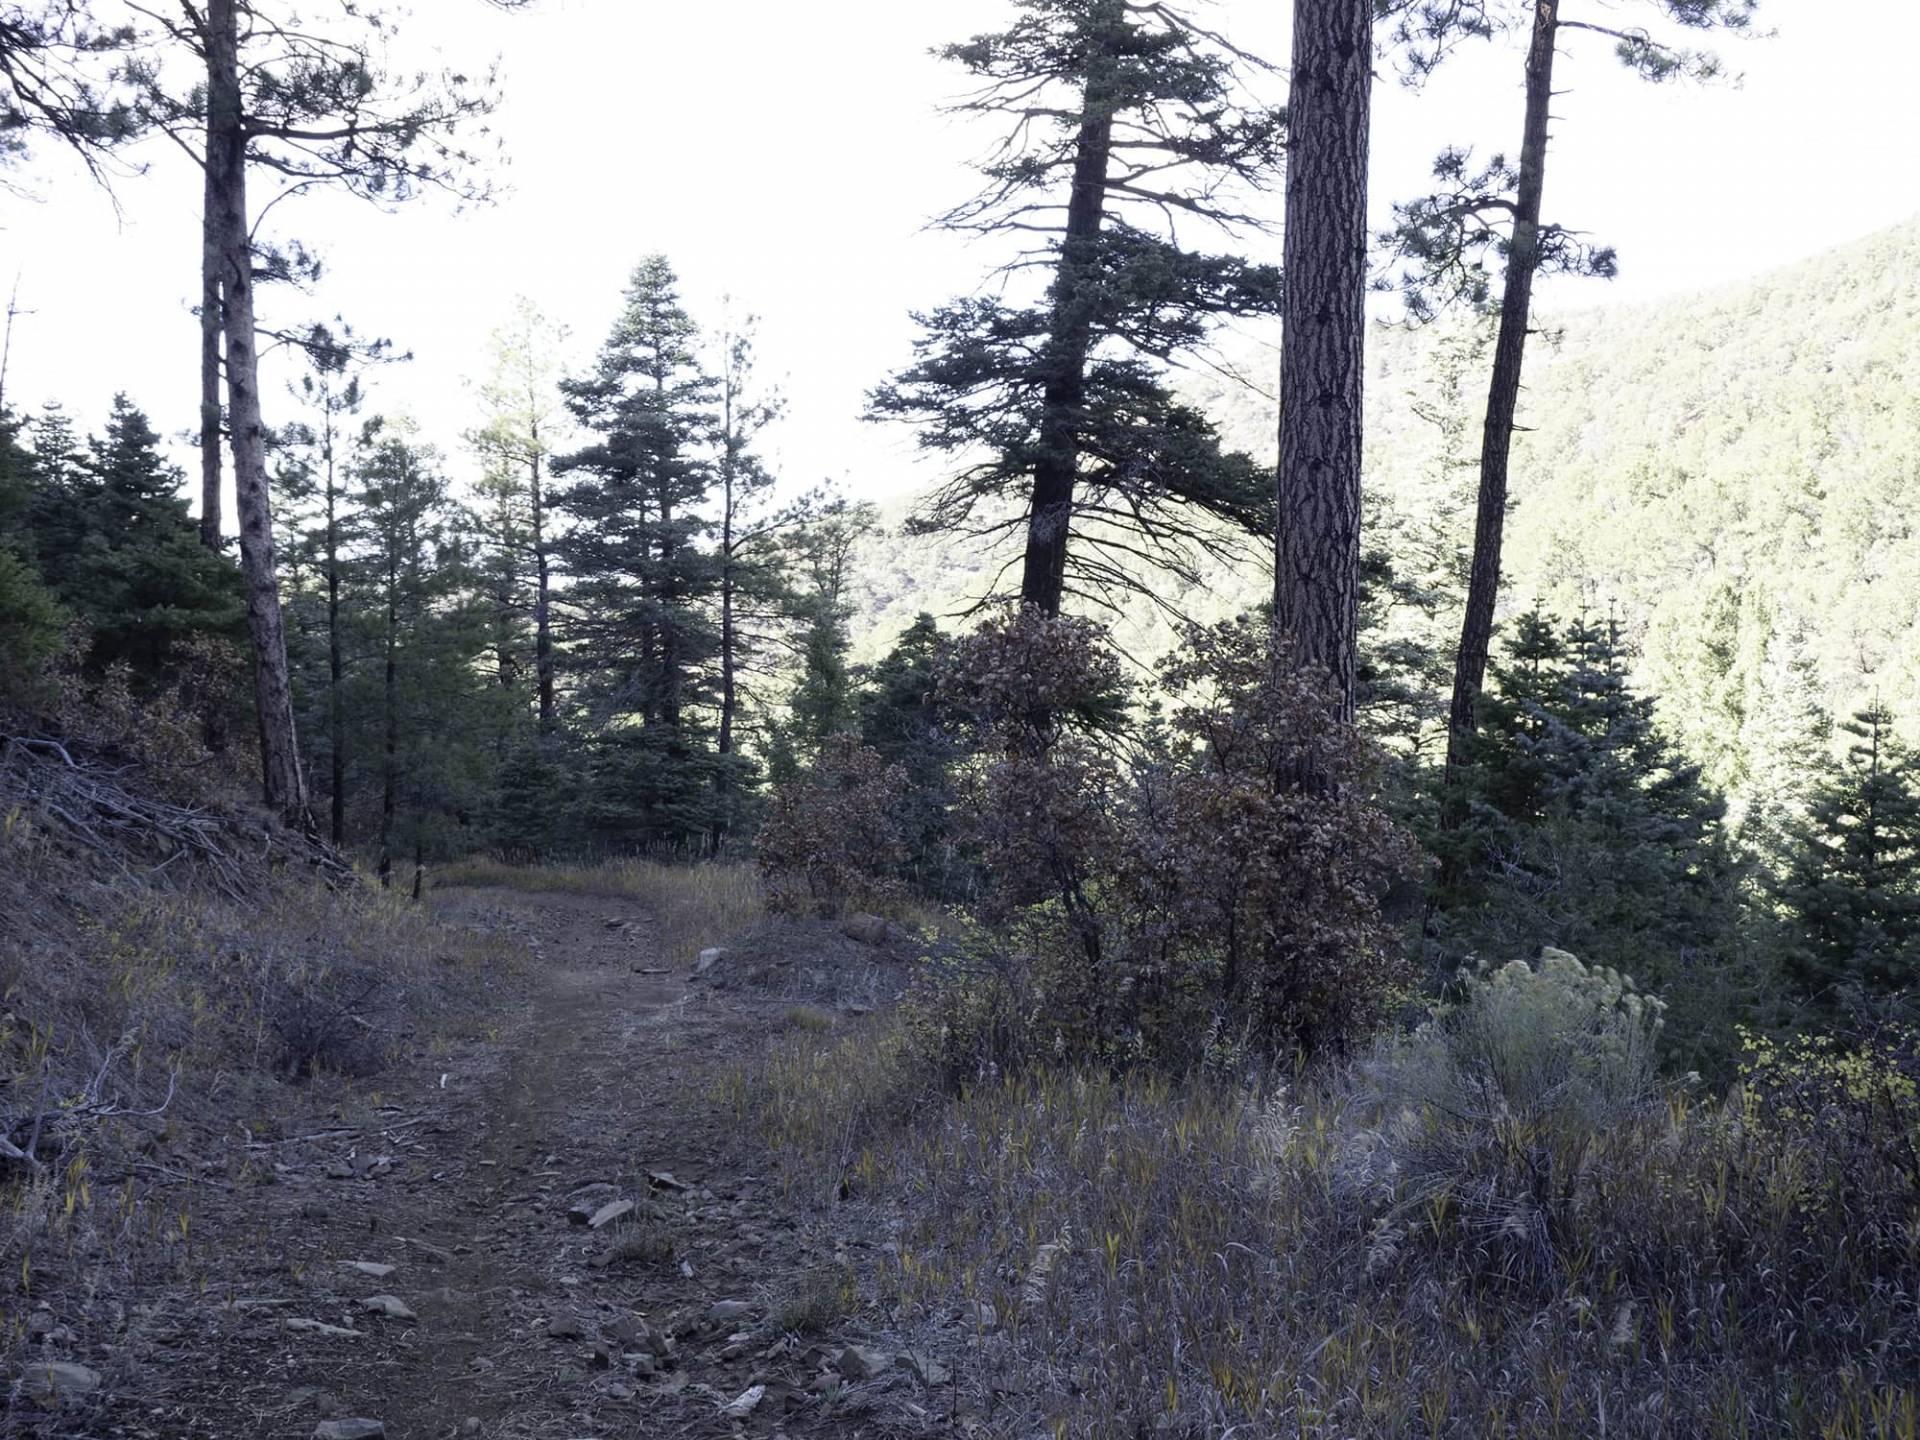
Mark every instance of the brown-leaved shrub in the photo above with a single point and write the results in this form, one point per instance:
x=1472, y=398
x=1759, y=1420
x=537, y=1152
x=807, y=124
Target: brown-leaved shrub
x=829, y=842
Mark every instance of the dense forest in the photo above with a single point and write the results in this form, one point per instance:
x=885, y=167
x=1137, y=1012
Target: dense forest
x=1390, y=847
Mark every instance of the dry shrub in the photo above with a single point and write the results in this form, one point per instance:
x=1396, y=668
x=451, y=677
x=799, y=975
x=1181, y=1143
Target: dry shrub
x=1259, y=848
x=829, y=842
x=1202, y=888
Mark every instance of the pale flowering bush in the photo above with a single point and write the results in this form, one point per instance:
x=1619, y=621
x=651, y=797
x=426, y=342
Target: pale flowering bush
x=1491, y=1121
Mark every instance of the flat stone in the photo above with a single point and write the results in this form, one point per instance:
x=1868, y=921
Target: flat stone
x=613, y=1210
x=320, y=1327
x=928, y=1370
x=726, y=1311
x=53, y=1383
x=372, y=1269
x=565, y=1327
x=746, y=1403
x=355, y=1429
x=391, y=1306
x=859, y=1362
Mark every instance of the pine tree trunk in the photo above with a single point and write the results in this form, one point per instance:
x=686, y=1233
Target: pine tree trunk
x=336, y=666
x=211, y=265
x=1322, y=357
x=543, y=575
x=390, y=730
x=1503, y=396
x=284, y=787
x=1070, y=333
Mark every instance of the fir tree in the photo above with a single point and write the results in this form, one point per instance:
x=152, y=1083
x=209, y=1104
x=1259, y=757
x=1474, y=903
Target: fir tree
x=524, y=420
x=1120, y=117
x=1581, y=827
x=142, y=580
x=1852, y=891
x=427, y=628
x=642, y=636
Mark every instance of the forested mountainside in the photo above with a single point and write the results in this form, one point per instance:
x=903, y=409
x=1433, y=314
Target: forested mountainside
x=1735, y=474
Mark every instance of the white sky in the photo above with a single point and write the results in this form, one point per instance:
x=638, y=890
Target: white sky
x=789, y=154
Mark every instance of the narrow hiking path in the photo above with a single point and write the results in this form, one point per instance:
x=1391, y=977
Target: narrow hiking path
x=601, y=1093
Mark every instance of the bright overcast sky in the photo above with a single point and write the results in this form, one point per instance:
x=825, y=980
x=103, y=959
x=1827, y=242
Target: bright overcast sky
x=790, y=154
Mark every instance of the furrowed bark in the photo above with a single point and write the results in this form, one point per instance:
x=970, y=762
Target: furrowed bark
x=283, y=786
x=1322, y=353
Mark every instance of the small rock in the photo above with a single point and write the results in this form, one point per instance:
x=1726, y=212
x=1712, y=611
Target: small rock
x=926, y=1369
x=565, y=1327
x=320, y=1327
x=747, y=1402
x=709, y=958
x=617, y=1391
x=663, y=1180
x=724, y=1312
x=373, y=1270
x=391, y=1306
x=53, y=1383
x=613, y=1210
x=354, y=1429
x=867, y=929
x=470, y=1425
x=858, y=1362
x=600, y=1355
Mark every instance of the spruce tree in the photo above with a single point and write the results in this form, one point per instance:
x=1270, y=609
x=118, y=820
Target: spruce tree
x=1852, y=890
x=1581, y=827
x=1120, y=119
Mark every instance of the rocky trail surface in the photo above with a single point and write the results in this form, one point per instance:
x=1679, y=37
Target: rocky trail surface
x=556, y=1229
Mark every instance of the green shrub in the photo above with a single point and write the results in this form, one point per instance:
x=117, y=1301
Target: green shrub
x=1492, y=1116
x=32, y=625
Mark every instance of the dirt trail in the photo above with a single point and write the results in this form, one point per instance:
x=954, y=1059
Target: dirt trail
x=519, y=1321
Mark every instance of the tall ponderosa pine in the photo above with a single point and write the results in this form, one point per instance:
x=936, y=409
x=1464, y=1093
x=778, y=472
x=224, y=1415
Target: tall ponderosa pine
x=60, y=77
x=1316, y=574
x=1122, y=119
x=642, y=635
x=747, y=537
x=278, y=95
x=1444, y=242
x=1852, y=889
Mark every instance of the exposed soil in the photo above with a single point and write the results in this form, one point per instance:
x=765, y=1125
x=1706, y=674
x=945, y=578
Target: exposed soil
x=607, y=1083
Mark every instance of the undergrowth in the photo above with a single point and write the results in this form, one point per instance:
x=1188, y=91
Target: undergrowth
x=1495, y=1225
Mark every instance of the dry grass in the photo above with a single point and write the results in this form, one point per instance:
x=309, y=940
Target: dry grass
x=153, y=1017
x=1200, y=1260
x=693, y=906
